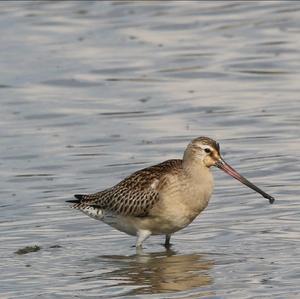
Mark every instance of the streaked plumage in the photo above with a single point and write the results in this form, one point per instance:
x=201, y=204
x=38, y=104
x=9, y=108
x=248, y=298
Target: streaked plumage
x=160, y=199
x=135, y=195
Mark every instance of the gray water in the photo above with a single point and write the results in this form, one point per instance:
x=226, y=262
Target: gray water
x=92, y=91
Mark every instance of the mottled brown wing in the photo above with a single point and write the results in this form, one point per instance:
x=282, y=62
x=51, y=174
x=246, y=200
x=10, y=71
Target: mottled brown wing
x=136, y=194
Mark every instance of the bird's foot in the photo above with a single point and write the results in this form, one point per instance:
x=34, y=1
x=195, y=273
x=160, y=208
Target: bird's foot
x=167, y=242
x=167, y=245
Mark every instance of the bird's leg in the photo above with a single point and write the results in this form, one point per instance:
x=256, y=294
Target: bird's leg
x=167, y=242
x=142, y=235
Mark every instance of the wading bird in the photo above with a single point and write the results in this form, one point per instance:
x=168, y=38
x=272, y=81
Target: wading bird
x=164, y=198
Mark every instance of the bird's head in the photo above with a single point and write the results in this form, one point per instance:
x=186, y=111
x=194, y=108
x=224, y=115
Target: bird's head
x=205, y=152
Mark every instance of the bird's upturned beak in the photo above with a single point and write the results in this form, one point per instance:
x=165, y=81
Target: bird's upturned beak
x=232, y=172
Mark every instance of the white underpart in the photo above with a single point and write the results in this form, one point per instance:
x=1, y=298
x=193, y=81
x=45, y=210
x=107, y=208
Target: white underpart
x=119, y=222
x=93, y=212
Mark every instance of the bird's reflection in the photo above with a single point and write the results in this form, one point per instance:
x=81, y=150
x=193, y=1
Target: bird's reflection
x=154, y=273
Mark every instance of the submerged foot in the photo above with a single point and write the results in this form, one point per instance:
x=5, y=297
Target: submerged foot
x=167, y=245
x=167, y=241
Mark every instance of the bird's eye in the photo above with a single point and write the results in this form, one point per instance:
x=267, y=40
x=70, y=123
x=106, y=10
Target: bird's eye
x=207, y=150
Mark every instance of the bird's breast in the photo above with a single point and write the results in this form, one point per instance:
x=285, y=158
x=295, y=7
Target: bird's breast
x=183, y=200
x=198, y=193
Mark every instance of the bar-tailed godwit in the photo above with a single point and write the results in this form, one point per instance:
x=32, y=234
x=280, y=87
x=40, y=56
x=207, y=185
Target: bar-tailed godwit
x=164, y=198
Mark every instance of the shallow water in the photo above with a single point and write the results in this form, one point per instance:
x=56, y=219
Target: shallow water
x=92, y=91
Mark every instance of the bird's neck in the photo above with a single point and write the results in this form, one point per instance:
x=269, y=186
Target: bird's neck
x=194, y=168
x=198, y=182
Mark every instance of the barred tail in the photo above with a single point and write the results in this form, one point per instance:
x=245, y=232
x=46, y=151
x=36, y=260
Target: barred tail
x=91, y=210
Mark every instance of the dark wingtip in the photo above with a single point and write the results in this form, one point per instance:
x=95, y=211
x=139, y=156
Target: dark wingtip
x=79, y=198
x=73, y=201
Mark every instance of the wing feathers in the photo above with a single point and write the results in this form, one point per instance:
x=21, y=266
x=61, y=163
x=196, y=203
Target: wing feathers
x=135, y=195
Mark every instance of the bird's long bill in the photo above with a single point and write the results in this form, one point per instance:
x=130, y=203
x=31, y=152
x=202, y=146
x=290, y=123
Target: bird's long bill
x=232, y=172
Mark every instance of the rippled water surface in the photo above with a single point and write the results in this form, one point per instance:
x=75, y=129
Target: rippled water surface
x=92, y=91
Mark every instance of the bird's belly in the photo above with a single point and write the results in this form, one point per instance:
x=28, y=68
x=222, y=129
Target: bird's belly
x=156, y=225
x=172, y=220
x=165, y=223
x=174, y=214
x=170, y=225
x=171, y=214
x=121, y=223
x=124, y=224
